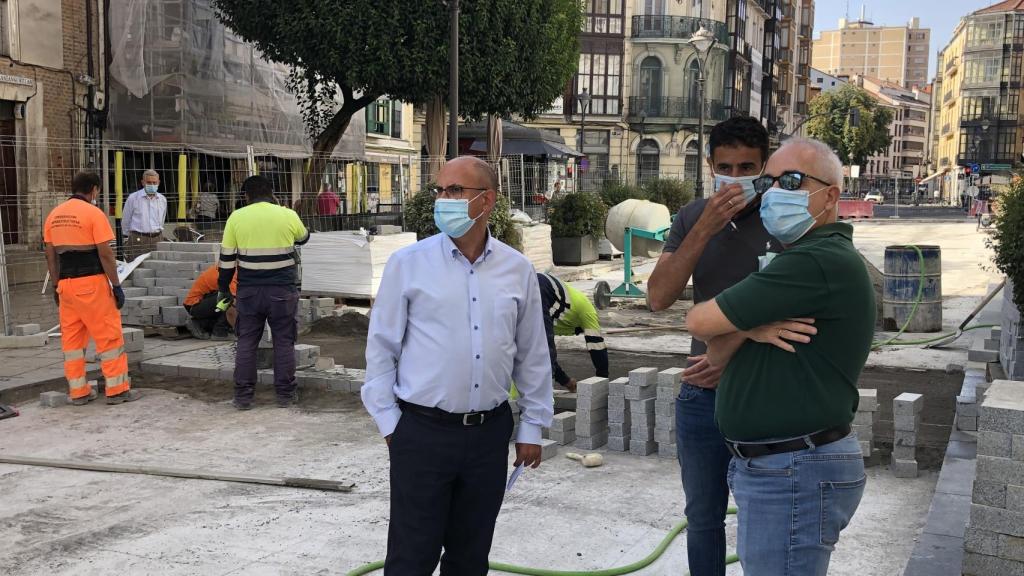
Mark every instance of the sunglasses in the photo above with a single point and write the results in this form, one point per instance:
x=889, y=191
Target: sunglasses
x=788, y=180
x=453, y=191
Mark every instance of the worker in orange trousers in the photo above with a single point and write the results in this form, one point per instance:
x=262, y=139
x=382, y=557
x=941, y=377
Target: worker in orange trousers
x=87, y=291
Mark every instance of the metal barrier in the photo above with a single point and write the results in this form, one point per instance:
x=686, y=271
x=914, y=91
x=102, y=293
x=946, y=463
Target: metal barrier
x=856, y=209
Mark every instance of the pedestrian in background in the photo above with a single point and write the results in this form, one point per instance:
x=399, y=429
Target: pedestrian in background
x=87, y=290
x=143, y=217
x=457, y=320
x=260, y=242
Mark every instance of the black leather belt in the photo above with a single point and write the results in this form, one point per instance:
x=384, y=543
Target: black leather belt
x=754, y=449
x=466, y=419
x=146, y=234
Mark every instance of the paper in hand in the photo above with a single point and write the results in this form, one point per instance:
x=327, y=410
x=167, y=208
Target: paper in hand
x=515, y=476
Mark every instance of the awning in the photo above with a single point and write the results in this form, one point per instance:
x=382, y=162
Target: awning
x=528, y=148
x=933, y=176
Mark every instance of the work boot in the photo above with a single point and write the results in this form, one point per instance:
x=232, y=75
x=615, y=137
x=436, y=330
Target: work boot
x=222, y=335
x=197, y=332
x=128, y=396
x=85, y=399
x=239, y=405
x=286, y=401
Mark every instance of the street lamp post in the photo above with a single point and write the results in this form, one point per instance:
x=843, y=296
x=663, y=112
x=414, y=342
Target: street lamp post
x=453, y=80
x=702, y=41
x=583, y=98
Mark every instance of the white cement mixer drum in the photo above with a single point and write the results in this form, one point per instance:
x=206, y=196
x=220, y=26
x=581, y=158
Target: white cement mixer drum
x=642, y=214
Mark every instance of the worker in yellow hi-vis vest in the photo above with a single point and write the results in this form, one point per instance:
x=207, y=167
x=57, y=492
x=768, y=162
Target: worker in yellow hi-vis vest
x=568, y=312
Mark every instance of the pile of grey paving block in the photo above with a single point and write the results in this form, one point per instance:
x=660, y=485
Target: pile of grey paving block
x=313, y=309
x=865, y=420
x=155, y=291
x=641, y=394
x=669, y=383
x=619, y=421
x=592, y=413
x=1010, y=336
x=25, y=336
x=563, y=429
x=906, y=415
x=994, y=541
x=134, y=344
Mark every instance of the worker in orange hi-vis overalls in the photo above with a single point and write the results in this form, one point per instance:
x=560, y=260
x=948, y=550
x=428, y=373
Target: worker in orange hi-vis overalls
x=87, y=291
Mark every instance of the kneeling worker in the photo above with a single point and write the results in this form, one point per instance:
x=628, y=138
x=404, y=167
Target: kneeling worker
x=568, y=312
x=205, y=319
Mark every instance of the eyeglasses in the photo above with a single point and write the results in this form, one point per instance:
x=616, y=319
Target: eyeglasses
x=453, y=191
x=788, y=180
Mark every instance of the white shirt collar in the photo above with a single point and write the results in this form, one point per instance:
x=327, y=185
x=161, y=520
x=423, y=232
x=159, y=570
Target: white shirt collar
x=451, y=248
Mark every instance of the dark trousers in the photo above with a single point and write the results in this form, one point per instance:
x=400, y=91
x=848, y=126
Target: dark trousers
x=204, y=313
x=139, y=244
x=259, y=305
x=447, y=484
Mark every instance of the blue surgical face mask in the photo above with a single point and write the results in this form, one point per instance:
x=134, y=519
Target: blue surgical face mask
x=785, y=214
x=452, y=216
x=151, y=188
x=747, y=182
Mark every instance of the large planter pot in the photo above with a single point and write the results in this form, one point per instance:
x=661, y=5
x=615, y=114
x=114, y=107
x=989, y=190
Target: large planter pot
x=574, y=251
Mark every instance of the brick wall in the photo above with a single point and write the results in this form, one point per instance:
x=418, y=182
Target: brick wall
x=1011, y=343
x=994, y=541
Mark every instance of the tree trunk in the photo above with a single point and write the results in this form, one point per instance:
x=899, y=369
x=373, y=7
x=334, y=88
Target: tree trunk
x=327, y=141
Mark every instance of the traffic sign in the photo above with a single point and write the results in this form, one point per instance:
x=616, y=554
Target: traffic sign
x=974, y=168
x=995, y=167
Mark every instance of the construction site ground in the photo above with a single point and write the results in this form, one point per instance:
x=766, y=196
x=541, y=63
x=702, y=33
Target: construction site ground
x=559, y=516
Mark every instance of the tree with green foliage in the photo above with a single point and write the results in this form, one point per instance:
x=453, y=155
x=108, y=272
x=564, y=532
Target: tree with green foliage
x=1008, y=237
x=830, y=123
x=515, y=56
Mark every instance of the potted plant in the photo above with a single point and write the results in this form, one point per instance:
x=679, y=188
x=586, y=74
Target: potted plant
x=1008, y=243
x=577, y=223
x=671, y=192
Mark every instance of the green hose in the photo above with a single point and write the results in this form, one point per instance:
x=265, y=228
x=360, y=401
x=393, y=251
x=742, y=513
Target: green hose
x=627, y=569
x=894, y=341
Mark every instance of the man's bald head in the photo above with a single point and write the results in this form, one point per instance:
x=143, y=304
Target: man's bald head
x=481, y=172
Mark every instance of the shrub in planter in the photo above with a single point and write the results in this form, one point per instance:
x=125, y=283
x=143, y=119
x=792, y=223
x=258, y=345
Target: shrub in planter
x=419, y=218
x=671, y=192
x=614, y=193
x=577, y=214
x=1008, y=237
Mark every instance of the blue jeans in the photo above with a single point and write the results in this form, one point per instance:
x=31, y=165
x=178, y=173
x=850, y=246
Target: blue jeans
x=704, y=461
x=794, y=505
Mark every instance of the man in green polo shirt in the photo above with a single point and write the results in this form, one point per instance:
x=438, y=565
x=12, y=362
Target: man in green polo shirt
x=793, y=338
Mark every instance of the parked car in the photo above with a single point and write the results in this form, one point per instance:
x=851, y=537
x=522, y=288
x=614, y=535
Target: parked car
x=875, y=196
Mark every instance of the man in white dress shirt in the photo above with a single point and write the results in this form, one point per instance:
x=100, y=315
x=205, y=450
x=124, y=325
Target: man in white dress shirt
x=142, y=220
x=456, y=320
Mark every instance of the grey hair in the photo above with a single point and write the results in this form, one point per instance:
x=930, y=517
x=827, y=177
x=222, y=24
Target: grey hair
x=826, y=164
x=150, y=172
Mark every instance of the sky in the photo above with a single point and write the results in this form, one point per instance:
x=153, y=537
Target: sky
x=941, y=16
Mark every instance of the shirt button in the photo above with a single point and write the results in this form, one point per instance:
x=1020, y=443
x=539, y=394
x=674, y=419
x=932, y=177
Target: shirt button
x=475, y=327
x=476, y=385
x=477, y=356
x=474, y=299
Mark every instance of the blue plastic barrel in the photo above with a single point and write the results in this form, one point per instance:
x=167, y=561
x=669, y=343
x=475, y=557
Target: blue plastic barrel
x=902, y=279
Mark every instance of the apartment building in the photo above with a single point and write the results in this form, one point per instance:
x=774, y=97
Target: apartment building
x=979, y=74
x=905, y=158
x=892, y=53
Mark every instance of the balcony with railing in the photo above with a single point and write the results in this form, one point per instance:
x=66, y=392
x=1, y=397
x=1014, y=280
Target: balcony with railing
x=952, y=63
x=676, y=28
x=672, y=110
x=944, y=161
x=803, y=70
x=785, y=55
x=947, y=97
x=945, y=128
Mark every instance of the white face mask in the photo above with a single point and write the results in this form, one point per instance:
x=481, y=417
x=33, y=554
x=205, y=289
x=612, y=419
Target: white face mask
x=747, y=182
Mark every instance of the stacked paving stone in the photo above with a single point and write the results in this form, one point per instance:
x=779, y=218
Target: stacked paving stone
x=669, y=383
x=563, y=429
x=865, y=420
x=134, y=344
x=155, y=291
x=1010, y=336
x=619, y=421
x=25, y=336
x=971, y=395
x=994, y=542
x=641, y=394
x=313, y=309
x=906, y=415
x=592, y=413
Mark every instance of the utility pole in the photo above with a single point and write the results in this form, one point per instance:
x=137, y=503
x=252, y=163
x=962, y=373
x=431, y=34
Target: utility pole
x=453, y=81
